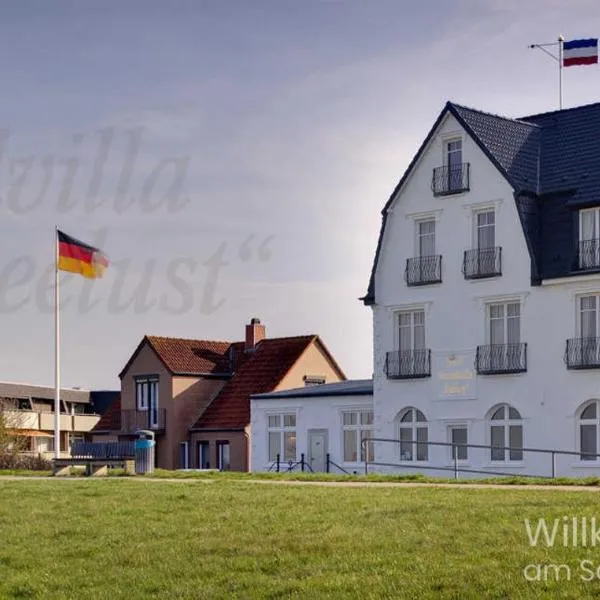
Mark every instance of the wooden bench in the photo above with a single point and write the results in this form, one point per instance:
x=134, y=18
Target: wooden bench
x=97, y=457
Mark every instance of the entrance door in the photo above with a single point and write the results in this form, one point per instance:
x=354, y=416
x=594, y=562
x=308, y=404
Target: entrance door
x=317, y=449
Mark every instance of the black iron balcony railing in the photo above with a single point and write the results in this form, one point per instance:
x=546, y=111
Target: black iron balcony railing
x=588, y=254
x=408, y=364
x=583, y=353
x=482, y=262
x=423, y=270
x=134, y=420
x=450, y=179
x=498, y=359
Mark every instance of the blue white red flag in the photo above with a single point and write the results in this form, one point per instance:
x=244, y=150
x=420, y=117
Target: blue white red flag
x=580, y=52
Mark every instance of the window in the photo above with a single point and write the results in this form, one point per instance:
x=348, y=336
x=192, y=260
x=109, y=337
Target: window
x=203, y=455
x=223, y=457
x=413, y=435
x=485, y=229
x=589, y=234
x=44, y=444
x=506, y=431
x=589, y=424
x=589, y=321
x=504, y=323
x=184, y=456
x=282, y=437
x=411, y=330
x=357, y=426
x=459, y=440
x=147, y=398
x=454, y=162
x=314, y=380
x=425, y=238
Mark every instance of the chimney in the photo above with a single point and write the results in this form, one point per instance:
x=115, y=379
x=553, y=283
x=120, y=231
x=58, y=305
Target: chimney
x=255, y=332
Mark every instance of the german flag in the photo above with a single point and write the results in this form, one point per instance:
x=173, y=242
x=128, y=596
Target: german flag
x=76, y=257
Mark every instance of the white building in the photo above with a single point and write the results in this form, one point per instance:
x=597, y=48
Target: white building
x=324, y=423
x=485, y=294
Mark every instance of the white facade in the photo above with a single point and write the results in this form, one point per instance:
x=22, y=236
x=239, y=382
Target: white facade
x=547, y=397
x=313, y=426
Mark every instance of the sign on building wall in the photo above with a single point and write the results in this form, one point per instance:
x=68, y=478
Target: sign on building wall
x=455, y=374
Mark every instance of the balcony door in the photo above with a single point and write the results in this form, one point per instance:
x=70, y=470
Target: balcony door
x=153, y=413
x=504, y=335
x=589, y=323
x=589, y=234
x=454, y=163
x=411, y=341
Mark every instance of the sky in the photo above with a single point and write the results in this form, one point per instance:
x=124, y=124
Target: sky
x=232, y=158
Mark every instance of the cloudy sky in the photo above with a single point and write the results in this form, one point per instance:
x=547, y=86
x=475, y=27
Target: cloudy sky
x=232, y=157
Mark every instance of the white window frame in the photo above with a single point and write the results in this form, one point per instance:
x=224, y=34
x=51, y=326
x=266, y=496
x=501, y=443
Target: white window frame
x=144, y=383
x=185, y=446
x=418, y=235
x=363, y=430
x=505, y=318
x=411, y=311
x=446, y=148
x=413, y=426
x=596, y=422
x=221, y=444
x=281, y=431
x=480, y=210
x=579, y=311
x=506, y=423
x=596, y=212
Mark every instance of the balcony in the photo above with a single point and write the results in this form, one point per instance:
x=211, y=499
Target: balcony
x=134, y=420
x=482, y=262
x=408, y=364
x=450, y=179
x=583, y=353
x=44, y=421
x=423, y=270
x=588, y=255
x=501, y=359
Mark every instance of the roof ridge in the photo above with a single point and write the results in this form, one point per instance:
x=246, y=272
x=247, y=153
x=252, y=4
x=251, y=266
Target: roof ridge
x=182, y=339
x=495, y=115
x=561, y=110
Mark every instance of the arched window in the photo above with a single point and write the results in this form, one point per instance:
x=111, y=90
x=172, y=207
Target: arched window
x=506, y=433
x=412, y=426
x=589, y=427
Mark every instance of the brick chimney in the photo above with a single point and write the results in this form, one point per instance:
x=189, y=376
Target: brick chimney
x=255, y=332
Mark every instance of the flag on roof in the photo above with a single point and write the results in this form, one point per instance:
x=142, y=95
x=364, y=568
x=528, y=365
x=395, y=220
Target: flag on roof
x=580, y=52
x=76, y=257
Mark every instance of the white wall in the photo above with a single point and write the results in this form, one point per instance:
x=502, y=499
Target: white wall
x=547, y=395
x=311, y=413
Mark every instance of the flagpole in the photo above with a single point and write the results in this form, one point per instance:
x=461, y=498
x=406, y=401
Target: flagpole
x=561, y=41
x=56, y=351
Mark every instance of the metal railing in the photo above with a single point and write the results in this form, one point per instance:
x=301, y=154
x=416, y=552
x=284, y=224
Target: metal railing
x=279, y=466
x=134, y=420
x=423, y=270
x=408, y=364
x=588, y=254
x=450, y=179
x=331, y=464
x=498, y=359
x=456, y=466
x=583, y=353
x=482, y=262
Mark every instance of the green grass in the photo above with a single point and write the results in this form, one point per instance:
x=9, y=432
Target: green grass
x=226, y=537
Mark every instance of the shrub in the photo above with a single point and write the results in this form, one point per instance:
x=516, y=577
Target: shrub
x=27, y=462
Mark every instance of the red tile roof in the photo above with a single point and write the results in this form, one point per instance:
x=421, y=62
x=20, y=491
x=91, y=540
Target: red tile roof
x=111, y=419
x=188, y=357
x=260, y=372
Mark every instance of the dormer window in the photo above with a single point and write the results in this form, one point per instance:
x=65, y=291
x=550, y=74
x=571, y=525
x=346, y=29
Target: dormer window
x=589, y=243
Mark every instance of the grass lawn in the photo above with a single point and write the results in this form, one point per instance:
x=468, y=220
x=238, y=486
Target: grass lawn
x=230, y=538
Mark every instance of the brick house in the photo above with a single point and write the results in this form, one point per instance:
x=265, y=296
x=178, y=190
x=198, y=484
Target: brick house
x=195, y=394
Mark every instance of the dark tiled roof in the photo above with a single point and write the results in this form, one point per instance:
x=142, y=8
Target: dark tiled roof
x=552, y=161
x=260, y=373
x=111, y=419
x=351, y=387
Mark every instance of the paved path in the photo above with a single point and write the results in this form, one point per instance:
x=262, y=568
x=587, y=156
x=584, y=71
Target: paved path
x=349, y=484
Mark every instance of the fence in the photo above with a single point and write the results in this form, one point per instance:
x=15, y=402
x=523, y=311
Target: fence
x=279, y=466
x=551, y=459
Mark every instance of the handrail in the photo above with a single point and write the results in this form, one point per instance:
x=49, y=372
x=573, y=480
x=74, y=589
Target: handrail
x=457, y=467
